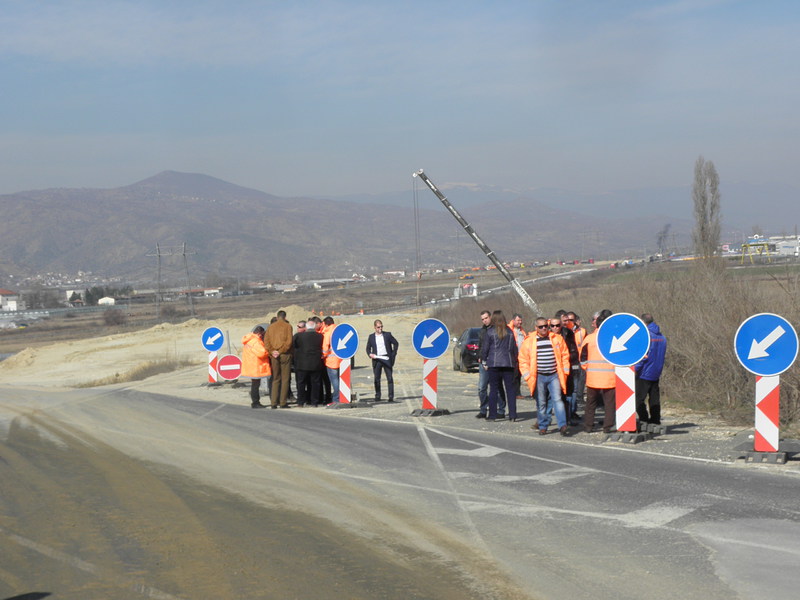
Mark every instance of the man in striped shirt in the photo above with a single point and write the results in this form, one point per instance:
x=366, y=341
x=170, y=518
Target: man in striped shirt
x=544, y=364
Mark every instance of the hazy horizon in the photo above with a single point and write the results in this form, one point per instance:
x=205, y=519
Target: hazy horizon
x=340, y=98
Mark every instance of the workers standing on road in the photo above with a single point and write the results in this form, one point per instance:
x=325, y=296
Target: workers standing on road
x=382, y=349
x=255, y=363
x=600, y=379
x=515, y=324
x=648, y=372
x=308, y=363
x=332, y=361
x=544, y=364
x=499, y=355
x=278, y=341
x=483, y=375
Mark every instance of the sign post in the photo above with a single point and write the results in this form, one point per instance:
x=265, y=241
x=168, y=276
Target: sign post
x=766, y=345
x=212, y=340
x=344, y=343
x=623, y=340
x=430, y=339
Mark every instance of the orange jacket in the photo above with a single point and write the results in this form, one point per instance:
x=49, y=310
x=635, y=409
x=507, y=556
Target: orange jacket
x=580, y=336
x=331, y=360
x=527, y=360
x=255, y=358
x=600, y=374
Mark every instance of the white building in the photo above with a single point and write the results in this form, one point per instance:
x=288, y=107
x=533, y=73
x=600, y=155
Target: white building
x=10, y=300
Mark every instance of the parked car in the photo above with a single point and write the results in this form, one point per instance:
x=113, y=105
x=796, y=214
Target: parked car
x=465, y=350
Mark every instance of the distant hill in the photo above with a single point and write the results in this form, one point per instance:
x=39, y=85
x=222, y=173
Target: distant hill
x=236, y=231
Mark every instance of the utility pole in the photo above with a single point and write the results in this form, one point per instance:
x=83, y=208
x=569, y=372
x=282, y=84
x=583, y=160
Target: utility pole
x=172, y=251
x=516, y=285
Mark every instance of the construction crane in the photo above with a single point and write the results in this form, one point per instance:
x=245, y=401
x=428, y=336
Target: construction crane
x=516, y=285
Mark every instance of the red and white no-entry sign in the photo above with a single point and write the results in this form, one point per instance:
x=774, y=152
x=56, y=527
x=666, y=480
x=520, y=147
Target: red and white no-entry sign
x=229, y=367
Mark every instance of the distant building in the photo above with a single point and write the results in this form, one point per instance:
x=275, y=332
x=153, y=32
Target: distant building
x=10, y=300
x=106, y=301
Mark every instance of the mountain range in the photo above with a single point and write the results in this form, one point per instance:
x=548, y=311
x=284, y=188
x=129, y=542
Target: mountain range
x=234, y=231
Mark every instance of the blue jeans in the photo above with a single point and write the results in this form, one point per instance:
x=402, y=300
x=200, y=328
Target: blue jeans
x=483, y=393
x=548, y=397
x=333, y=374
x=501, y=378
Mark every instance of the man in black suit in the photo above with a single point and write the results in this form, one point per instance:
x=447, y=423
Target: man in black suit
x=382, y=349
x=308, y=365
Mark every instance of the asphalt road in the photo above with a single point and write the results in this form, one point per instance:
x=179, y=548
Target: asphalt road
x=126, y=493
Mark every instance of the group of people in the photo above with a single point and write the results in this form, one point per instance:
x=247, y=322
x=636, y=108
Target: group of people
x=559, y=361
x=273, y=352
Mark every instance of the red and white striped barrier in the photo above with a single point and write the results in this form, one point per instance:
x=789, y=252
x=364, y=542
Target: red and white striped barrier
x=626, y=398
x=430, y=382
x=212, y=367
x=767, y=434
x=344, y=381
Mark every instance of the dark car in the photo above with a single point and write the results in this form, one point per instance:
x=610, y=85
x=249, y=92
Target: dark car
x=465, y=350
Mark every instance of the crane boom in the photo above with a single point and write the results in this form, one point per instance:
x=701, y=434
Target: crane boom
x=516, y=285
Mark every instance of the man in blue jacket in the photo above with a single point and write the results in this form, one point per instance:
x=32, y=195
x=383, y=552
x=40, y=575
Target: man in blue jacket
x=648, y=372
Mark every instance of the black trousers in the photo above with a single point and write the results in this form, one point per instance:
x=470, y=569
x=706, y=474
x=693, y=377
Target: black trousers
x=255, y=396
x=308, y=386
x=648, y=390
x=379, y=366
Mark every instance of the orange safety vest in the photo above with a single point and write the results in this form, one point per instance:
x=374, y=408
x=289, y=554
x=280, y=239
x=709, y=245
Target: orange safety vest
x=331, y=360
x=255, y=358
x=527, y=360
x=580, y=336
x=599, y=372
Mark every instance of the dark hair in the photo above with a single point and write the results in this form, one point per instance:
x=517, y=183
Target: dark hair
x=281, y=314
x=486, y=312
x=499, y=324
x=560, y=313
x=647, y=318
x=258, y=329
x=328, y=320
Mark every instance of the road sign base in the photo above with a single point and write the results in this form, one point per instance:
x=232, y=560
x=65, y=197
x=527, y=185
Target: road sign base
x=428, y=412
x=653, y=428
x=629, y=437
x=338, y=405
x=775, y=458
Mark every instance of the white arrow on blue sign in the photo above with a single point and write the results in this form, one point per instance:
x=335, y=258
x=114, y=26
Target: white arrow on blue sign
x=623, y=339
x=766, y=344
x=212, y=339
x=430, y=338
x=344, y=341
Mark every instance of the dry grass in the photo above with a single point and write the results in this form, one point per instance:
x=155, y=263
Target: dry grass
x=141, y=371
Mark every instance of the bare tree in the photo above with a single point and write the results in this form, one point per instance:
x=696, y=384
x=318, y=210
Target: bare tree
x=705, y=194
x=661, y=241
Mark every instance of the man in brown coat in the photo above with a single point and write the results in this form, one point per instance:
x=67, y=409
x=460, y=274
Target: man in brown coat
x=278, y=340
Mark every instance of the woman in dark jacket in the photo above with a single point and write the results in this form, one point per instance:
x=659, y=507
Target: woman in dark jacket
x=499, y=356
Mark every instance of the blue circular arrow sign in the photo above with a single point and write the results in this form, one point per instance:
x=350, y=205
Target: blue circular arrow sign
x=430, y=338
x=766, y=344
x=623, y=339
x=344, y=341
x=212, y=339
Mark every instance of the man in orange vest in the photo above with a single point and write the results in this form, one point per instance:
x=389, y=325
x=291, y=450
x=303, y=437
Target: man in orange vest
x=544, y=363
x=332, y=361
x=600, y=379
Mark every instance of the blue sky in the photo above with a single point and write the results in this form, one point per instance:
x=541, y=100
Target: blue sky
x=327, y=98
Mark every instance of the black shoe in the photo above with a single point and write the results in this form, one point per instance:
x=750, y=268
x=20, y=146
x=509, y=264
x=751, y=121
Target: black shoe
x=563, y=431
x=274, y=406
x=480, y=416
x=391, y=400
x=513, y=419
x=257, y=405
x=284, y=406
